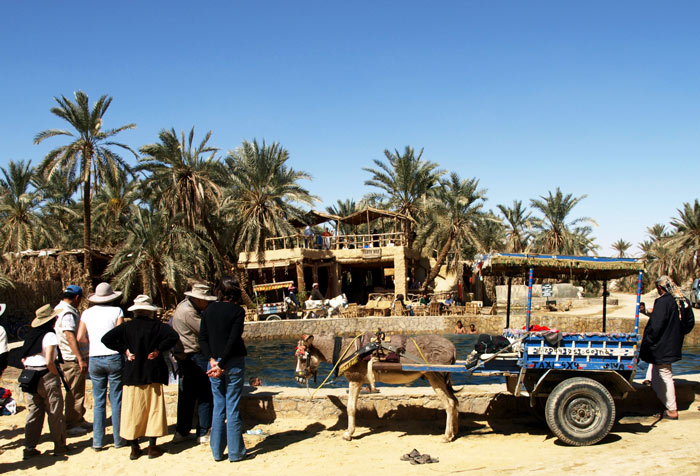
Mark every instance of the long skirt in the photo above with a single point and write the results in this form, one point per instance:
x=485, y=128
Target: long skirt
x=143, y=411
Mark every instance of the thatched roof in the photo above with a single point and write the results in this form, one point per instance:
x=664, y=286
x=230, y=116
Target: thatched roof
x=313, y=217
x=370, y=214
x=556, y=266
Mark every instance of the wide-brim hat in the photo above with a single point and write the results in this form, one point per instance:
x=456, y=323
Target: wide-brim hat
x=2, y=309
x=44, y=314
x=143, y=303
x=201, y=291
x=104, y=293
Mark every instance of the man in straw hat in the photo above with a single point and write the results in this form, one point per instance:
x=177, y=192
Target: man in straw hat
x=105, y=365
x=39, y=355
x=194, y=387
x=143, y=340
x=74, y=364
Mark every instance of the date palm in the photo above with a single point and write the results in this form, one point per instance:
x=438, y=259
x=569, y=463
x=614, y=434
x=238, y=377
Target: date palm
x=449, y=225
x=404, y=180
x=556, y=232
x=90, y=157
x=60, y=211
x=263, y=193
x=684, y=241
x=518, y=224
x=20, y=208
x=112, y=205
x=621, y=246
x=343, y=208
x=186, y=178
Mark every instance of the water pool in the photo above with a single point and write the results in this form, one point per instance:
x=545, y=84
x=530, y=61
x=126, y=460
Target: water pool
x=274, y=362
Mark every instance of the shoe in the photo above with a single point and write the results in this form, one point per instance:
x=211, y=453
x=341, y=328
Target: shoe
x=154, y=452
x=29, y=453
x=76, y=431
x=98, y=448
x=646, y=383
x=136, y=452
x=245, y=456
x=86, y=425
x=423, y=459
x=204, y=439
x=409, y=456
x=60, y=451
x=179, y=438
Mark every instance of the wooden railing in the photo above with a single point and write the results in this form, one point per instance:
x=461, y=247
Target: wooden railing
x=374, y=240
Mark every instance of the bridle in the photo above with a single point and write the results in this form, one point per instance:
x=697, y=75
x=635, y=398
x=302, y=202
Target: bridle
x=303, y=354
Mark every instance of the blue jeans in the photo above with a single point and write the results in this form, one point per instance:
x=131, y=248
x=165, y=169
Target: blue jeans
x=103, y=369
x=227, y=426
x=193, y=388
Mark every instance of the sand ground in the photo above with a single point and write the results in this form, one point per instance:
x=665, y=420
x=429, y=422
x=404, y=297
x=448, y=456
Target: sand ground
x=637, y=445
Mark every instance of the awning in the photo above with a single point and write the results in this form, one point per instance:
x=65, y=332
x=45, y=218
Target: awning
x=556, y=266
x=272, y=286
x=370, y=214
x=313, y=217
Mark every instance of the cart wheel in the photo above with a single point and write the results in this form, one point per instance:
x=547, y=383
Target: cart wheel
x=273, y=317
x=580, y=411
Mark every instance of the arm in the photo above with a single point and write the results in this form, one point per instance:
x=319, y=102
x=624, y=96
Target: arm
x=51, y=359
x=82, y=333
x=73, y=344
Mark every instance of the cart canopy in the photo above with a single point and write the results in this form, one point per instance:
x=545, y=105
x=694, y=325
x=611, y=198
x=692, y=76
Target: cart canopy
x=272, y=286
x=556, y=266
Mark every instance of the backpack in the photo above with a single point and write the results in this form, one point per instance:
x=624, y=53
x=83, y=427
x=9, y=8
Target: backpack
x=687, y=317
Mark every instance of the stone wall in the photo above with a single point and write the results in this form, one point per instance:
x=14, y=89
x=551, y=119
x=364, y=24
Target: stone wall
x=485, y=324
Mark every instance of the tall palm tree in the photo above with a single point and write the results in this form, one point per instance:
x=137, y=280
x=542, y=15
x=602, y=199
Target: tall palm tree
x=684, y=241
x=187, y=178
x=112, y=206
x=157, y=253
x=90, y=155
x=448, y=228
x=20, y=208
x=556, y=232
x=621, y=246
x=518, y=225
x=263, y=194
x=404, y=180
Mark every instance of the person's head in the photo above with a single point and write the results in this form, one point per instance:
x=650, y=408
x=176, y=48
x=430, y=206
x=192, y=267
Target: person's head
x=399, y=297
x=200, y=296
x=44, y=317
x=229, y=289
x=472, y=327
x=664, y=284
x=459, y=324
x=72, y=294
x=315, y=285
x=143, y=306
x=104, y=294
x=449, y=295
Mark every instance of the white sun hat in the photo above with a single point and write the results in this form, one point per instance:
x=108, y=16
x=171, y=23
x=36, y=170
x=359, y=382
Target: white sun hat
x=104, y=293
x=201, y=291
x=143, y=302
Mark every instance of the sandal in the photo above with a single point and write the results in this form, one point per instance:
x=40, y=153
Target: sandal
x=410, y=456
x=664, y=416
x=423, y=459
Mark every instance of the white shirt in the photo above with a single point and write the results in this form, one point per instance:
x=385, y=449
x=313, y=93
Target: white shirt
x=3, y=341
x=98, y=321
x=39, y=360
x=67, y=320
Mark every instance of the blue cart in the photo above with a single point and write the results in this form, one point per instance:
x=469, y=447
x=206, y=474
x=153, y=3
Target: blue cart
x=574, y=377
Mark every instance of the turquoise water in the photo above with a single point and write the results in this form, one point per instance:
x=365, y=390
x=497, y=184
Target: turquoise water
x=274, y=363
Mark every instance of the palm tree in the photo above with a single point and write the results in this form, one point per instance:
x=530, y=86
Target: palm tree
x=112, y=205
x=451, y=211
x=556, y=232
x=90, y=153
x=518, y=225
x=156, y=252
x=343, y=208
x=60, y=211
x=263, y=194
x=684, y=241
x=20, y=208
x=187, y=179
x=621, y=246
x=404, y=180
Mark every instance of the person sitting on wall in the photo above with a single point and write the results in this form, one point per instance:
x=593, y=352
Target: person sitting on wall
x=424, y=300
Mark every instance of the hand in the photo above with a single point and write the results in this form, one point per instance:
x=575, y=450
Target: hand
x=83, y=365
x=153, y=354
x=129, y=355
x=215, y=372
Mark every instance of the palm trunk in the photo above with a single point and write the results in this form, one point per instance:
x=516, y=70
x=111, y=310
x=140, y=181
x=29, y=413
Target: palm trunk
x=87, y=221
x=162, y=290
x=438, y=264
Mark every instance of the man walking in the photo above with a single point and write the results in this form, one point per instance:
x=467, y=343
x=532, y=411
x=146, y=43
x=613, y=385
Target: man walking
x=194, y=384
x=74, y=366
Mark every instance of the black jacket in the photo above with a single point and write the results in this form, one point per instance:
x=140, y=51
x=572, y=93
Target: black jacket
x=663, y=337
x=142, y=336
x=221, y=331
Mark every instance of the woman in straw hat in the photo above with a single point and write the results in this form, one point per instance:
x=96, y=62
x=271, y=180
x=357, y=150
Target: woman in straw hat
x=105, y=364
x=39, y=354
x=143, y=340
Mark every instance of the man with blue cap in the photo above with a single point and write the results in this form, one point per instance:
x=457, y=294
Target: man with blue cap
x=74, y=366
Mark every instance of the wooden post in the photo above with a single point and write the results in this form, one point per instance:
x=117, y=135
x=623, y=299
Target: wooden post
x=605, y=303
x=314, y=273
x=510, y=282
x=300, y=275
x=335, y=279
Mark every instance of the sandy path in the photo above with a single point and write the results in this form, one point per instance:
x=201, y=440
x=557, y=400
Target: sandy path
x=636, y=446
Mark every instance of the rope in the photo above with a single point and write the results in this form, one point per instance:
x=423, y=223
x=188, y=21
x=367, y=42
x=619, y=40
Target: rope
x=419, y=351
x=336, y=364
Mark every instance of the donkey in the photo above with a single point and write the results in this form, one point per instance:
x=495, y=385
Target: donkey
x=435, y=349
x=325, y=308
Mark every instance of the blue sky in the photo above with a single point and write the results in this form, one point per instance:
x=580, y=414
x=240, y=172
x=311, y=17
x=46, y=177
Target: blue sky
x=599, y=98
